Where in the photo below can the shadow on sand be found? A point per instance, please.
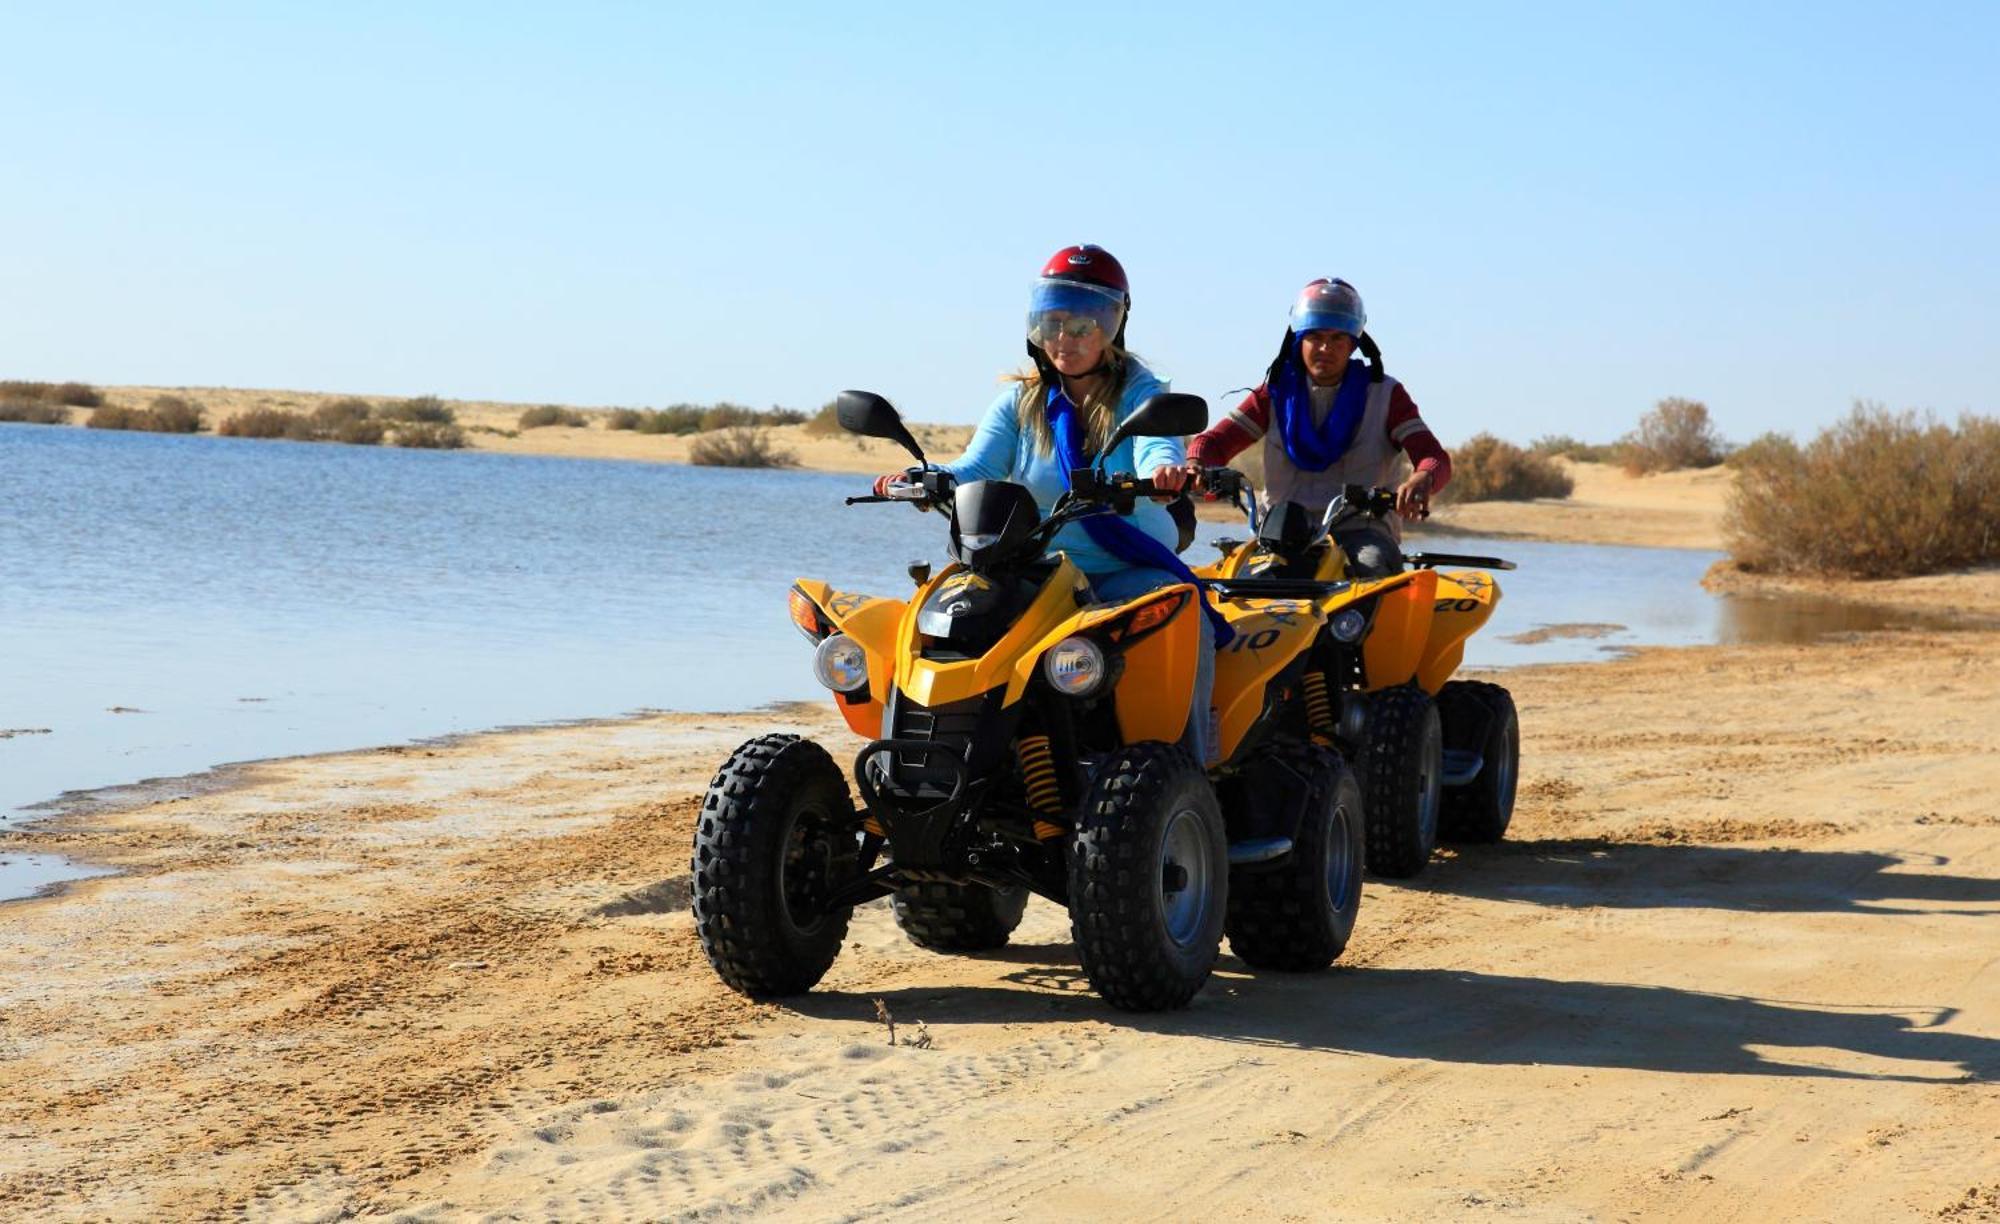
(1449, 1015)
(1591, 871)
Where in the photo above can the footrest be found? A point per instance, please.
(1461, 765)
(1258, 850)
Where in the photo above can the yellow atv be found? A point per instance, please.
(1024, 739)
(1439, 757)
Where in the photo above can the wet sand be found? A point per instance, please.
(1738, 960)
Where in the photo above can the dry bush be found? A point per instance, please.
(73, 394)
(623, 418)
(1488, 469)
(826, 422)
(742, 447)
(429, 435)
(673, 419)
(33, 412)
(336, 414)
(551, 414)
(1562, 446)
(173, 414)
(356, 433)
(1878, 494)
(166, 414)
(1764, 450)
(265, 423)
(1675, 434)
(115, 416)
(423, 409)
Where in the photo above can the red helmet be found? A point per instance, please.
(1091, 264)
(1079, 282)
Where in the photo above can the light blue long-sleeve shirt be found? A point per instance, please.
(1001, 450)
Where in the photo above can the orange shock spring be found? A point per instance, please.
(874, 827)
(1319, 706)
(1038, 770)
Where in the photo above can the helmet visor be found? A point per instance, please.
(1329, 306)
(1058, 307)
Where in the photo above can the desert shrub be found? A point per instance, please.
(335, 414)
(429, 435)
(550, 414)
(826, 422)
(33, 412)
(1878, 494)
(423, 409)
(166, 414)
(173, 414)
(743, 446)
(362, 432)
(728, 416)
(623, 418)
(1675, 434)
(1562, 446)
(73, 394)
(115, 416)
(264, 423)
(78, 395)
(1763, 451)
(14, 389)
(1485, 468)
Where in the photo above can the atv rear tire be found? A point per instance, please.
(1405, 775)
(776, 834)
(959, 917)
(1297, 914)
(1480, 717)
(1149, 878)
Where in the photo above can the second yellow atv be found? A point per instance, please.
(1439, 757)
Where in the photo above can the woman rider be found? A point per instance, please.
(1056, 415)
(1339, 422)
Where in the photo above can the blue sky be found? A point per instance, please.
(1557, 213)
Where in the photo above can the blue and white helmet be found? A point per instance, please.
(1329, 304)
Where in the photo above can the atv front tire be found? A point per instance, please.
(1148, 878)
(1480, 717)
(776, 835)
(1405, 775)
(1297, 915)
(959, 917)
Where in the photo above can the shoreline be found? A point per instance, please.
(458, 979)
(1670, 510)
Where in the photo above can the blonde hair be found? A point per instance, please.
(1099, 409)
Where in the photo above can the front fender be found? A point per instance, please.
(870, 620)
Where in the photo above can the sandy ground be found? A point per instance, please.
(1670, 510)
(1740, 960)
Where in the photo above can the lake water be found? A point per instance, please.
(171, 603)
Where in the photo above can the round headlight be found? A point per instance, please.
(1348, 624)
(1074, 666)
(840, 664)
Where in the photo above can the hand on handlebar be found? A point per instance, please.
(1413, 496)
(1170, 479)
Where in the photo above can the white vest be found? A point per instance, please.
(1370, 459)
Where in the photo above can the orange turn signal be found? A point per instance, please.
(805, 614)
(1154, 614)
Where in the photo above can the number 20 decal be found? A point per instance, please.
(1456, 605)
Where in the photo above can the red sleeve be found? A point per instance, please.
(1227, 438)
(1407, 430)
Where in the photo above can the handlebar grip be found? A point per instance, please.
(855, 501)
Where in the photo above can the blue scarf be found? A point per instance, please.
(1310, 448)
(1114, 533)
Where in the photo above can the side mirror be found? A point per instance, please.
(871, 416)
(1170, 414)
